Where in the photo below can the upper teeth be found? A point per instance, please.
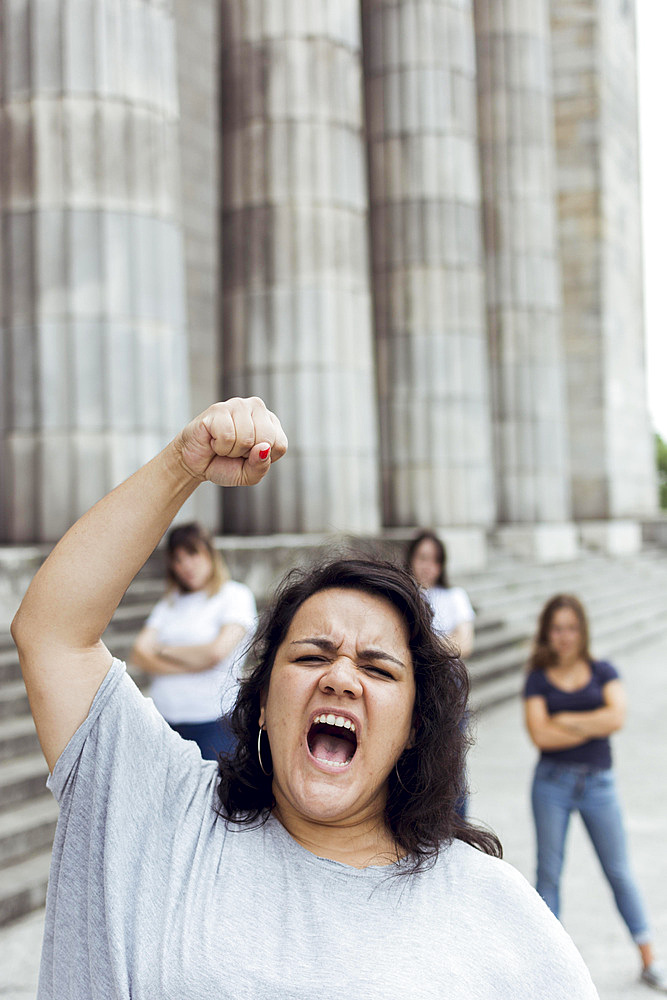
(336, 720)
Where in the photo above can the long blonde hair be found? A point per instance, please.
(194, 538)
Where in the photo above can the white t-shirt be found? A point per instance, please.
(451, 607)
(191, 620)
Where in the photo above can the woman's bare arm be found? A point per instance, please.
(70, 601)
(155, 658)
(543, 731)
(464, 637)
(601, 721)
(570, 729)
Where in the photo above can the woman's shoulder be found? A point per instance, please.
(455, 597)
(237, 595)
(604, 671)
(535, 683)
(235, 587)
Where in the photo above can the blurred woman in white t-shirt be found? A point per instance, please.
(453, 615)
(193, 641)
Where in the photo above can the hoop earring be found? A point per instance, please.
(398, 779)
(259, 753)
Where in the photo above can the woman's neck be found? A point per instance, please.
(358, 842)
(570, 663)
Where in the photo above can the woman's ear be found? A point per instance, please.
(262, 717)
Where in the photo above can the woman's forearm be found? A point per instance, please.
(464, 637)
(551, 736)
(598, 724)
(156, 663)
(77, 590)
(58, 628)
(206, 655)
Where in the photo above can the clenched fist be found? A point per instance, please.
(232, 443)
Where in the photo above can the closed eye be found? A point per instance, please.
(378, 670)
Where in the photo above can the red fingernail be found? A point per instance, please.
(264, 453)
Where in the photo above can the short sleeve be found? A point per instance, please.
(156, 618)
(535, 684)
(605, 672)
(124, 738)
(236, 606)
(135, 800)
(462, 607)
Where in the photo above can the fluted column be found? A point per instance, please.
(524, 305)
(296, 311)
(197, 57)
(94, 368)
(595, 79)
(428, 262)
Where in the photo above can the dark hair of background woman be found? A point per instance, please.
(423, 536)
(420, 810)
(542, 655)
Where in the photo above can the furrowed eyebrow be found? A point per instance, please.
(330, 647)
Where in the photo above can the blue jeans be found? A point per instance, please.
(560, 789)
(212, 738)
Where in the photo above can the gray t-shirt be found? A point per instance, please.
(152, 896)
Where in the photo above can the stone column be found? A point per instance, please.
(524, 306)
(428, 263)
(594, 58)
(94, 367)
(297, 315)
(197, 55)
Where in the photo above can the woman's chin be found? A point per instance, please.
(324, 797)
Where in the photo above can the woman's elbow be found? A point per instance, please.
(21, 632)
(617, 722)
(536, 738)
(210, 660)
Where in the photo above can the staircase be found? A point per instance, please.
(626, 599)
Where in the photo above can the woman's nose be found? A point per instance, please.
(341, 677)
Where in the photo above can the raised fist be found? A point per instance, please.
(232, 443)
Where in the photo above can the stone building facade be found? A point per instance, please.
(411, 225)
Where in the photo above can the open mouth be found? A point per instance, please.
(332, 739)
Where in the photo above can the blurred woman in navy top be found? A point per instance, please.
(573, 704)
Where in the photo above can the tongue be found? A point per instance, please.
(330, 748)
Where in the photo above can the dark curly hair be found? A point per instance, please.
(543, 655)
(421, 807)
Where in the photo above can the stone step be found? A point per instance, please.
(10, 669)
(18, 737)
(27, 828)
(21, 779)
(494, 640)
(6, 641)
(23, 886)
(624, 599)
(515, 601)
(13, 699)
(131, 616)
(502, 688)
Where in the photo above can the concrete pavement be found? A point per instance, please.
(500, 771)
